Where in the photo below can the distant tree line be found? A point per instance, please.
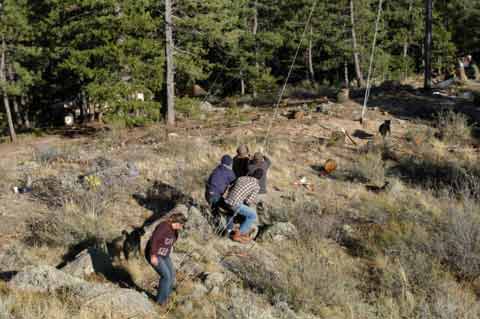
(103, 53)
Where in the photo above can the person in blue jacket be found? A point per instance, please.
(219, 181)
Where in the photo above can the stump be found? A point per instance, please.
(343, 95)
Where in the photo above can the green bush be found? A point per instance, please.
(188, 107)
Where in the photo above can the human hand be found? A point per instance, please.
(154, 260)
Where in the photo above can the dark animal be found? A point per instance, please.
(115, 247)
(131, 245)
(385, 128)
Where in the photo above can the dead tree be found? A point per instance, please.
(428, 44)
(356, 55)
(170, 64)
(3, 79)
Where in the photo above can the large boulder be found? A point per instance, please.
(98, 299)
(88, 262)
(280, 231)
(43, 279)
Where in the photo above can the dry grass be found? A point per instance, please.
(25, 305)
(67, 227)
(370, 167)
(454, 128)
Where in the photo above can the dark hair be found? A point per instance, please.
(258, 173)
(177, 218)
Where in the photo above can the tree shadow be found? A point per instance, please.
(161, 198)
(103, 264)
(362, 135)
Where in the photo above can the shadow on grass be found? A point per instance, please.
(436, 175)
(160, 199)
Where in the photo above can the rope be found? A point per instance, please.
(372, 56)
(267, 135)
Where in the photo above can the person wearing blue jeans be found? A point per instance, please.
(162, 240)
(250, 217)
(240, 198)
(166, 271)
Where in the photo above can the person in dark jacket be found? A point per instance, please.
(241, 160)
(161, 243)
(219, 181)
(262, 162)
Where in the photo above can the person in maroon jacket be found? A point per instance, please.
(162, 240)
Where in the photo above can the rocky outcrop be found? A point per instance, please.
(280, 231)
(98, 299)
(88, 262)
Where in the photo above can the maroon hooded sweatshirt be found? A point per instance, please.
(162, 240)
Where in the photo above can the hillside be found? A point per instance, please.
(335, 248)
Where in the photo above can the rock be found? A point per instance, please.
(88, 262)
(198, 91)
(270, 215)
(280, 231)
(257, 268)
(98, 299)
(343, 95)
(119, 302)
(197, 223)
(198, 291)
(214, 280)
(43, 279)
(206, 107)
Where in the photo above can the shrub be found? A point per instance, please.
(188, 107)
(458, 238)
(453, 127)
(65, 228)
(370, 167)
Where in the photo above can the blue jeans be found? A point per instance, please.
(167, 277)
(213, 199)
(250, 216)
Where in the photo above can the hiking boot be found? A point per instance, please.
(238, 237)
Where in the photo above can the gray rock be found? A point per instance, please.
(215, 279)
(280, 231)
(121, 302)
(87, 262)
(206, 107)
(43, 279)
(198, 291)
(197, 223)
(98, 299)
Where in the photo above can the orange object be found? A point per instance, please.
(329, 166)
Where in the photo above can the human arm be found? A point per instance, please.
(268, 162)
(252, 197)
(154, 260)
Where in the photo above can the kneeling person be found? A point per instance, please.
(162, 240)
(219, 181)
(240, 198)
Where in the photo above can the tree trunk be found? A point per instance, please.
(406, 43)
(242, 84)
(16, 111)
(356, 55)
(170, 64)
(3, 78)
(428, 44)
(26, 118)
(254, 32)
(311, 72)
(347, 80)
